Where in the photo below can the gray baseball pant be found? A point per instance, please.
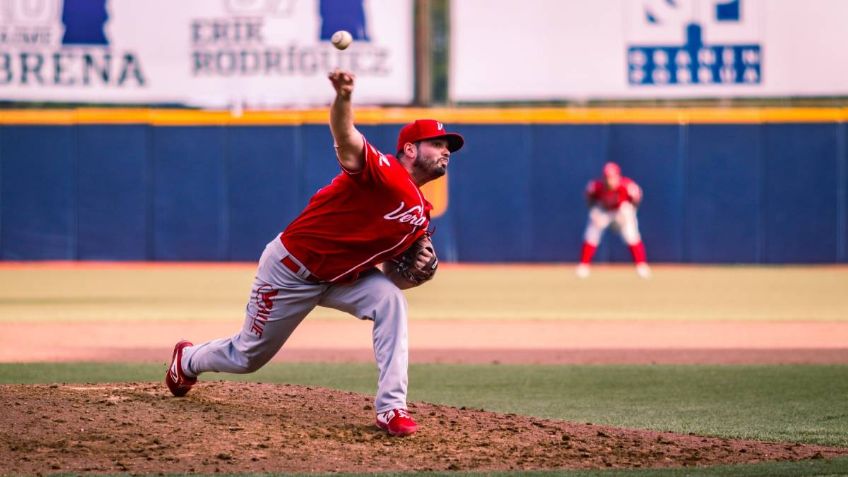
(280, 299)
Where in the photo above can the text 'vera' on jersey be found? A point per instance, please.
(611, 199)
(359, 220)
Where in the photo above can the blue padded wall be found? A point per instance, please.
(264, 186)
(749, 193)
(842, 192)
(801, 183)
(317, 161)
(490, 193)
(190, 212)
(723, 190)
(114, 209)
(38, 192)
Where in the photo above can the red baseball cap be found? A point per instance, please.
(428, 129)
(612, 169)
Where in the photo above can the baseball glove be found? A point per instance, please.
(418, 263)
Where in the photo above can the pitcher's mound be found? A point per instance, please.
(239, 427)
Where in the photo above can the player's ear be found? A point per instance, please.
(410, 149)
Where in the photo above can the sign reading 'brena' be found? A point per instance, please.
(62, 43)
(235, 54)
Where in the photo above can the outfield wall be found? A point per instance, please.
(752, 186)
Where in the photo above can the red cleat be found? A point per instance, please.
(177, 382)
(397, 422)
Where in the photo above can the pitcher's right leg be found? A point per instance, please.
(374, 297)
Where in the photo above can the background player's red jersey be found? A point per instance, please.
(359, 220)
(611, 199)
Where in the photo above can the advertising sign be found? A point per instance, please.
(630, 49)
(214, 53)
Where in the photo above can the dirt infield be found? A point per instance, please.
(238, 427)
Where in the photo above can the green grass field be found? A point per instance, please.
(798, 403)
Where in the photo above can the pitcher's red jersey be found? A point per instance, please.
(359, 220)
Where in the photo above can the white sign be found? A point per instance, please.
(214, 53)
(627, 49)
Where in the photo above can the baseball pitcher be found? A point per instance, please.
(613, 200)
(371, 215)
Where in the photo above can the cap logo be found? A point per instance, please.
(440, 126)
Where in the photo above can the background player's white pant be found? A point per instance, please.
(280, 300)
(622, 220)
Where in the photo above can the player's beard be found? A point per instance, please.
(430, 168)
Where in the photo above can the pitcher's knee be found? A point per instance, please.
(385, 299)
(390, 293)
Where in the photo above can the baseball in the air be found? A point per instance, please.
(341, 39)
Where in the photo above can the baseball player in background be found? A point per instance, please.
(372, 214)
(613, 200)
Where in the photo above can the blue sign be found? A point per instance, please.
(84, 21)
(694, 62)
(343, 15)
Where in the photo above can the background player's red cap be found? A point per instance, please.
(612, 169)
(428, 129)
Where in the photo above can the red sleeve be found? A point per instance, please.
(374, 167)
